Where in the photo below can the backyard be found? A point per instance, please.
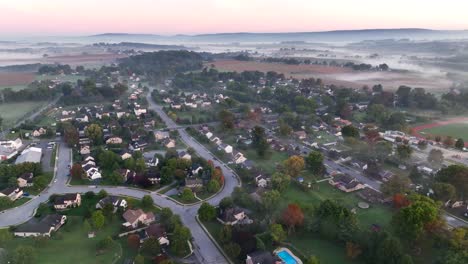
(72, 237)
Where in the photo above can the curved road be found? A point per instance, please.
(204, 249)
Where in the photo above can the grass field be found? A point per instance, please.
(376, 214)
(12, 112)
(71, 243)
(457, 130)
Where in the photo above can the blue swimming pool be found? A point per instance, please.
(286, 257)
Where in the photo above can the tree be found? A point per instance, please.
(382, 150)
(226, 234)
(448, 141)
(294, 165)
(180, 237)
(212, 186)
(71, 135)
(436, 157)
(270, 199)
(24, 255)
(77, 171)
(133, 241)
(102, 193)
(94, 132)
(411, 221)
(457, 175)
(350, 131)
(396, 184)
(187, 195)
(147, 202)
(139, 259)
(292, 216)
(460, 144)
(444, 191)
(259, 141)
(227, 119)
(404, 151)
(108, 211)
(98, 219)
(280, 181)
(151, 247)
(232, 249)
(390, 251)
(207, 212)
(40, 182)
(277, 233)
(105, 243)
(226, 203)
(353, 250)
(314, 163)
(114, 178)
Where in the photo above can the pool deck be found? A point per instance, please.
(298, 260)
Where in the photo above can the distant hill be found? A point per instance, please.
(322, 36)
(136, 45)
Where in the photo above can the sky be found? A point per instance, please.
(168, 17)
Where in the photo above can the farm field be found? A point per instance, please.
(16, 80)
(339, 75)
(12, 112)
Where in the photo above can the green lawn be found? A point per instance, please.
(71, 243)
(12, 112)
(62, 78)
(376, 214)
(327, 252)
(459, 130)
(269, 162)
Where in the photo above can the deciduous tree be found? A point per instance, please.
(294, 165)
(293, 216)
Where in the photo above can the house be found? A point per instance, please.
(25, 180)
(195, 169)
(31, 154)
(92, 172)
(135, 217)
(300, 134)
(226, 148)
(184, 155)
(238, 158)
(346, 183)
(85, 150)
(160, 135)
(44, 227)
(127, 174)
(234, 216)
(125, 155)
(151, 162)
(14, 193)
(208, 135)
(262, 181)
(39, 132)
(159, 232)
(153, 177)
(262, 257)
(193, 182)
(169, 143)
(116, 201)
(65, 201)
(114, 140)
(216, 140)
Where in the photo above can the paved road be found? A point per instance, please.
(204, 249)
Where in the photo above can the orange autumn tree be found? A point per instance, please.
(400, 200)
(293, 216)
(218, 176)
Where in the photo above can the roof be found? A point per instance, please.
(156, 230)
(28, 176)
(41, 226)
(261, 257)
(109, 200)
(132, 215)
(228, 215)
(66, 197)
(30, 155)
(9, 190)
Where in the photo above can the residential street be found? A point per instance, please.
(209, 254)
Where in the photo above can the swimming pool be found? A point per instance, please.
(286, 257)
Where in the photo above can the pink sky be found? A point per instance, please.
(65, 17)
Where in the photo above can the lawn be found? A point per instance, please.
(63, 245)
(457, 130)
(376, 214)
(12, 112)
(325, 251)
(268, 163)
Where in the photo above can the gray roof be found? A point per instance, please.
(30, 155)
(41, 226)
